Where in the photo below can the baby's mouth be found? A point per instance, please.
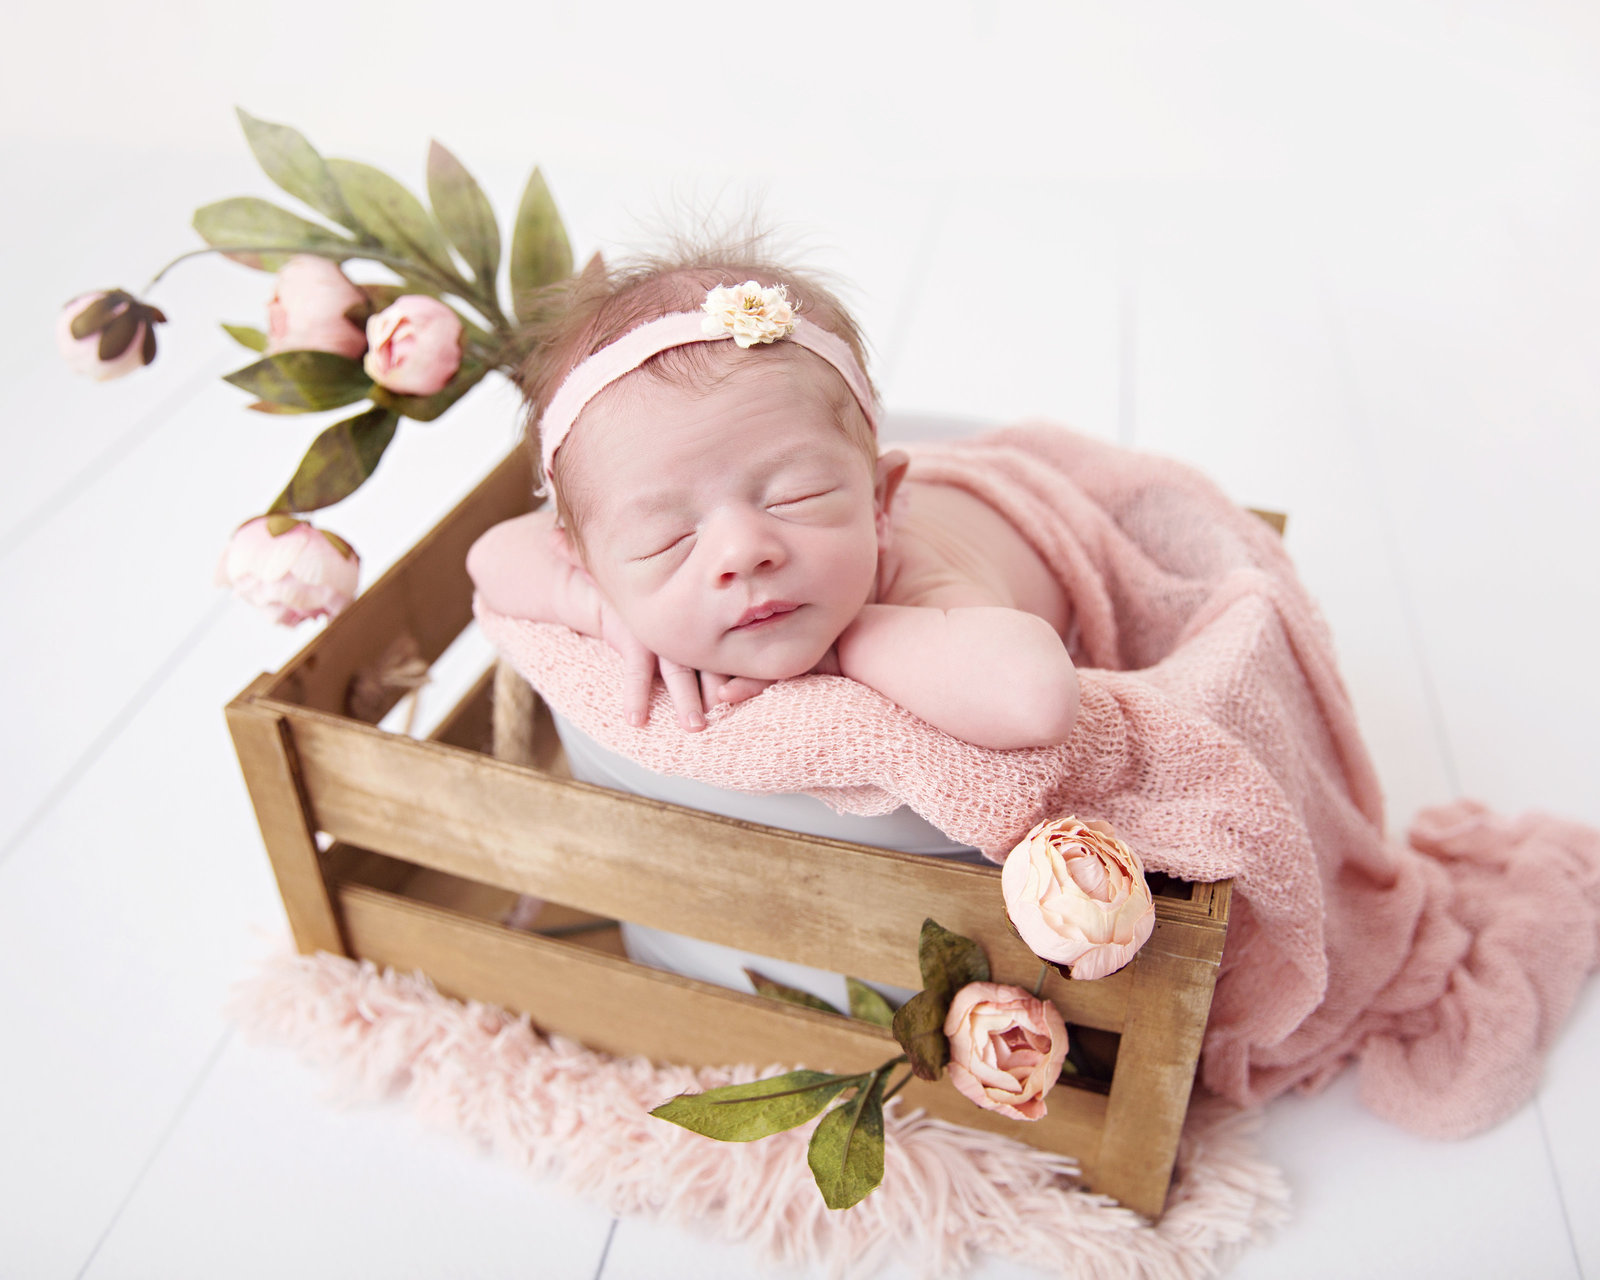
(767, 613)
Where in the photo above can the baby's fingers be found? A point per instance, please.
(739, 688)
(638, 676)
(683, 687)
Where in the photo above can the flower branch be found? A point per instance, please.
(331, 341)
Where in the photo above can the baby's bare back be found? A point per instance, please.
(950, 548)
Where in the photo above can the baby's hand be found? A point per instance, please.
(727, 690)
(639, 666)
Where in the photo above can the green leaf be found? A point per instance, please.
(245, 336)
(867, 1005)
(338, 461)
(745, 1112)
(465, 214)
(949, 961)
(304, 380)
(918, 1025)
(427, 408)
(294, 164)
(248, 222)
(389, 212)
(846, 1151)
(540, 253)
(765, 986)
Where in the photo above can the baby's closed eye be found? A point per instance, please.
(785, 502)
(664, 544)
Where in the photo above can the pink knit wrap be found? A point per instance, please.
(1217, 737)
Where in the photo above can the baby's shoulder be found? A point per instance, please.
(952, 549)
(937, 554)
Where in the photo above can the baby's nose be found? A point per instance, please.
(743, 542)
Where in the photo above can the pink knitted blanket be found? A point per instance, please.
(1217, 737)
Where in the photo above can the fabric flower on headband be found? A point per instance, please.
(749, 313)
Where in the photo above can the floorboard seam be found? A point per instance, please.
(114, 728)
(1344, 362)
(605, 1251)
(38, 517)
(171, 1128)
(919, 271)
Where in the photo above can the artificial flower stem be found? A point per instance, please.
(1038, 987)
(402, 265)
(899, 1084)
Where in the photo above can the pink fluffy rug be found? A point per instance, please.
(949, 1194)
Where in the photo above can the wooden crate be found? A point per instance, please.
(408, 853)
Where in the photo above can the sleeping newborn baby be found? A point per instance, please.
(723, 515)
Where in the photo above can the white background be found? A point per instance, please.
(1341, 256)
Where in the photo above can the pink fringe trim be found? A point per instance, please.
(580, 1118)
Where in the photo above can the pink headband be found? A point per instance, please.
(680, 329)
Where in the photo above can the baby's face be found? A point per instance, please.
(734, 530)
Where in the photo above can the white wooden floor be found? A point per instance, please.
(1409, 364)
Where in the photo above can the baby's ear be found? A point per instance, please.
(891, 471)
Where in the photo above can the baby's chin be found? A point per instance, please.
(772, 662)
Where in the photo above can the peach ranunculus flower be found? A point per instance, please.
(1006, 1048)
(414, 345)
(748, 312)
(309, 309)
(299, 572)
(1078, 896)
(107, 334)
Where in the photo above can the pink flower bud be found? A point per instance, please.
(299, 572)
(107, 334)
(1078, 896)
(1006, 1048)
(414, 346)
(309, 306)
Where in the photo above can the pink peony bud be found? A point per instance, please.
(1078, 896)
(415, 346)
(107, 334)
(309, 306)
(295, 573)
(1006, 1048)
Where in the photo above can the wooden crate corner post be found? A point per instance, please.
(272, 776)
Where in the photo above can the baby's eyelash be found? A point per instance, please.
(804, 497)
(661, 551)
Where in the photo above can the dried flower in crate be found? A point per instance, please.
(409, 347)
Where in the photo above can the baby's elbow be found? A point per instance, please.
(1052, 713)
(1042, 711)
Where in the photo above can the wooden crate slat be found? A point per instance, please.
(618, 1007)
(426, 594)
(772, 892)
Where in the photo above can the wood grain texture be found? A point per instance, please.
(819, 902)
(618, 1007)
(271, 773)
(426, 594)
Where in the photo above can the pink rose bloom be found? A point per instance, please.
(1078, 896)
(307, 311)
(301, 572)
(414, 346)
(1006, 1048)
(123, 338)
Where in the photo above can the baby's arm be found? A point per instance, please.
(524, 568)
(991, 676)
